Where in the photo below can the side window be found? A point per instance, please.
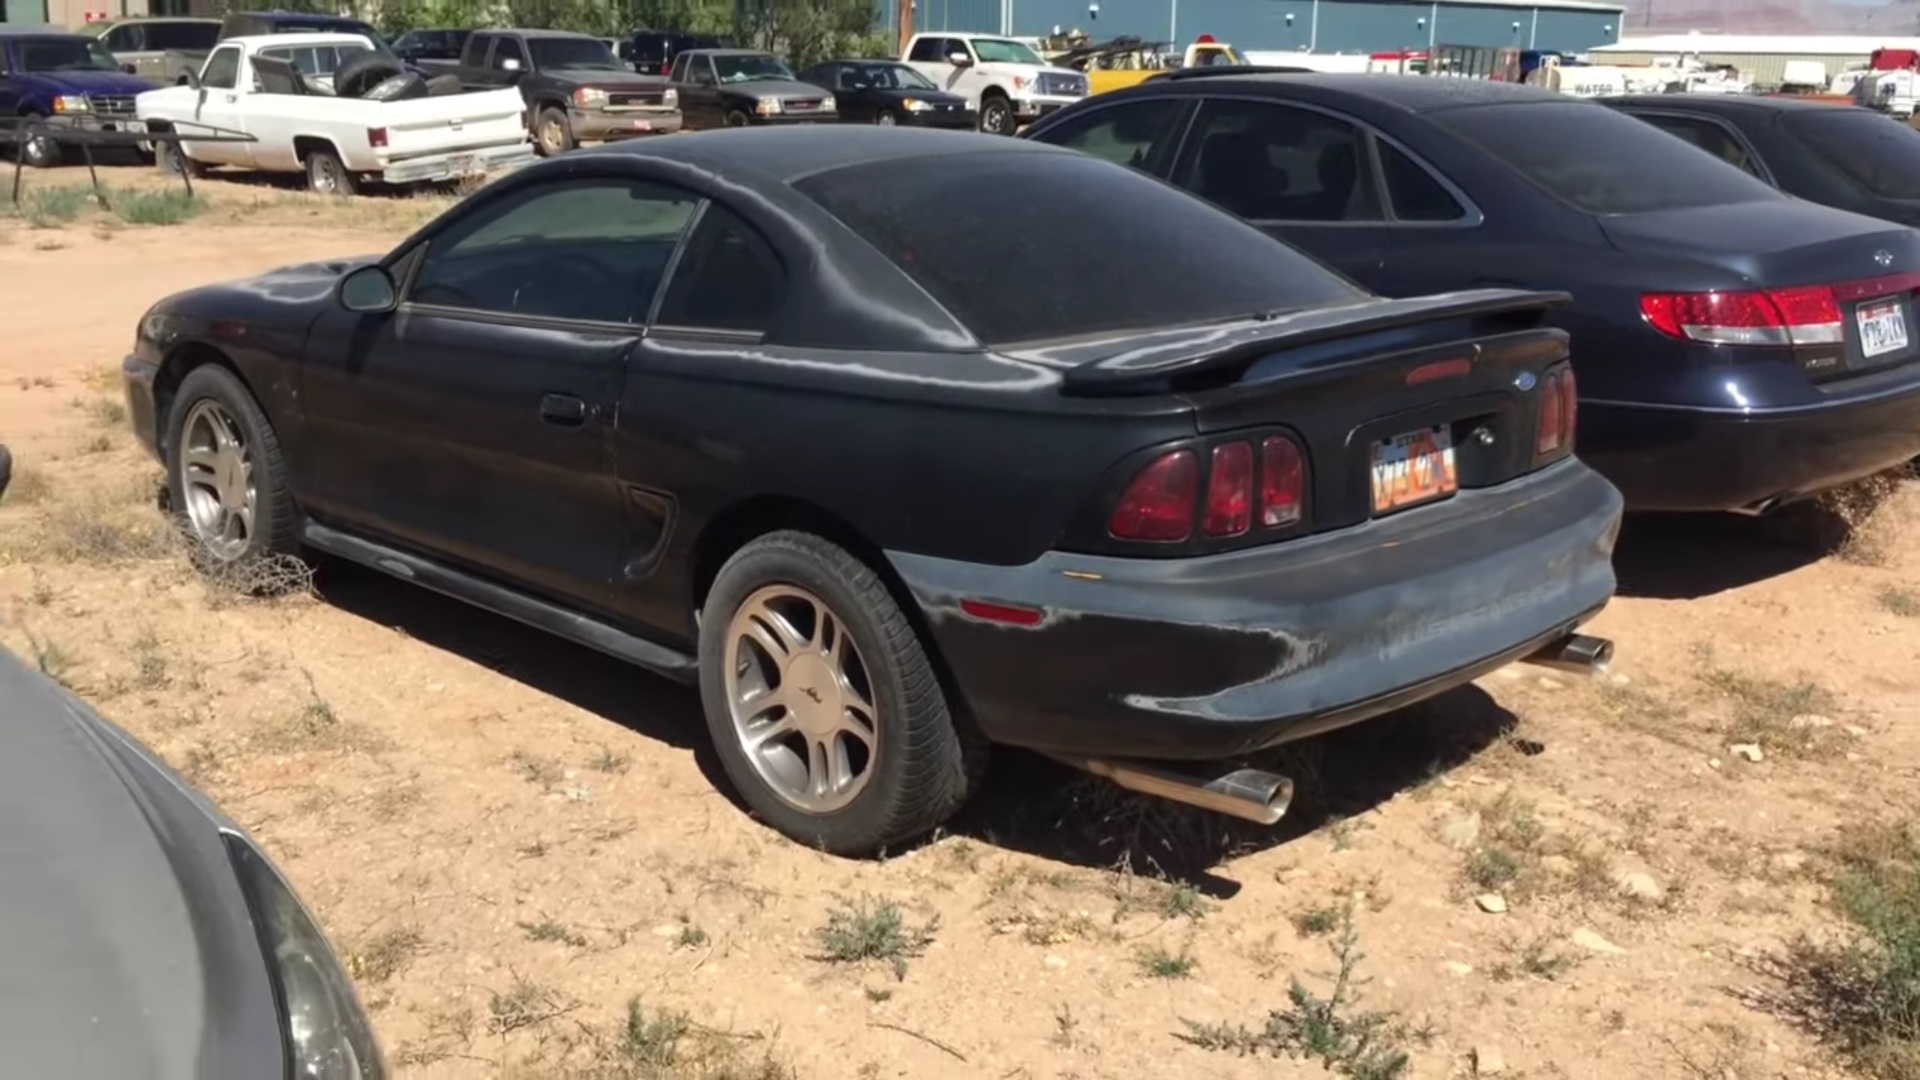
(679, 72)
(1269, 162)
(222, 70)
(728, 278)
(188, 36)
(927, 50)
(1139, 133)
(1412, 191)
(1708, 136)
(591, 250)
(508, 49)
(700, 67)
(125, 39)
(475, 54)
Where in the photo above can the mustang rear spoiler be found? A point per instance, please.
(1161, 355)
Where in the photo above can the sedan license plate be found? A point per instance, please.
(1883, 328)
(1413, 468)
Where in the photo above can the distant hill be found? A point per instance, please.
(1773, 16)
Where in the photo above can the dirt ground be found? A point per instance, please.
(512, 839)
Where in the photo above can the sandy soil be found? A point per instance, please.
(511, 838)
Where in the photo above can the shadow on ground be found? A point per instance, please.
(1687, 556)
(1034, 805)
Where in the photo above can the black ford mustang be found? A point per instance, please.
(810, 418)
(1737, 349)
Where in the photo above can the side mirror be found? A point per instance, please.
(369, 291)
(510, 65)
(959, 59)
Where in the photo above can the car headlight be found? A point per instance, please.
(827, 104)
(767, 106)
(71, 103)
(671, 98)
(915, 105)
(326, 1030)
(588, 97)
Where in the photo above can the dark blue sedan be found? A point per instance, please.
(1736, 348)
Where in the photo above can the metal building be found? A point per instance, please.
(1326, 26)
(1761, 57)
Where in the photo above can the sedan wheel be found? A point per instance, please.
(216, 480)
(822, 702)
(885, 118)
(801, 699)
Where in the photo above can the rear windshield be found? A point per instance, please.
(1602, 161)
(1023, 247)
(1882, 155)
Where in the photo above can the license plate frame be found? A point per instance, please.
(1883, 328)
(461, 166)
(1412, 469)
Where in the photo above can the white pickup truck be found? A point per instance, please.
(278, 89)
(1003, 79)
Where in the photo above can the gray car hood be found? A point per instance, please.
(775, 88)
(129, 950)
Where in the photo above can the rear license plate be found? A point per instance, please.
(643, 125)
(1883, 328)
(460, 165)
(1413, 468)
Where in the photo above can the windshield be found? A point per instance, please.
(317, 59)
(1002, 51)
(572, 54)
(748, 67)
(1880, 155)
(946, 221)
(64, 54)
(1602, 161)
(889, 77)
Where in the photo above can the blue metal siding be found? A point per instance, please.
(1344, 25)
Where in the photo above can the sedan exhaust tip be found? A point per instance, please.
(1248, 794)
(1581, 654)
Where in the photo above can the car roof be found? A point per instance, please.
(1726, 103)
(38, 32)
(730, 52)
(303, 37)
(788, 154)
(1413, 93)
(537, 33)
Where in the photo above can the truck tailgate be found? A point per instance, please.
(439, 125)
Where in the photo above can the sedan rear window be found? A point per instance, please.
(1021, 246)
(1602, 161)
(1882, 155)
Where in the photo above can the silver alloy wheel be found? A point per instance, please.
(216, 480)
(552, 139)
(885, 119)
(326, 176)
(995, 118)
(801, 699)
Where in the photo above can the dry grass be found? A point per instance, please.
(1773, 714)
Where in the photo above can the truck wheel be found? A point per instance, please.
(552, 134)
(173, 160)
(402, 87)
(996, 115)
(325, 174)
(823, 705)
(364, 72)
(738, 118)
(39, 151)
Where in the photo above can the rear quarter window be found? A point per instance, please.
(1024, 246)
(1600, 160)
(1880, 154)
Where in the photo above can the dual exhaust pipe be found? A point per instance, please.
(1263, 797)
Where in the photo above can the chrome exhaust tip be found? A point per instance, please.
(1581, 654)
(1248, 794)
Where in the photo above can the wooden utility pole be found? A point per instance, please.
(906, 26)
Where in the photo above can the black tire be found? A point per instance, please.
(886, 118)
(172, 160)
(552, 132)
(39, 151)
(738, 118)
(928, 761)
(442, 85)
(276, 528)
(996, 115)
(402, 87)
(364, 72)
(327, 176)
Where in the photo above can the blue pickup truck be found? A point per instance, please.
(68, 81)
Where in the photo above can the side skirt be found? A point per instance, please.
(575, 627)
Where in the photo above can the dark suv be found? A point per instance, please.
(741, 88)
(575, 88)
(652, 51)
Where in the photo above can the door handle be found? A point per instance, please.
(231, 98)
(563, 410)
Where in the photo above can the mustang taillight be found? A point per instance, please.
(1559, 410)
(1799, 316)
(1246, 484)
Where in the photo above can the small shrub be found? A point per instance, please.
(548, 930)
(1901, 601)
(1158, 963)
(1317, 921)
(869, 929)
(386, 954)
(51, 208)
(168, 207)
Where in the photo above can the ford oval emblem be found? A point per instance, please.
(1884, 258)
(1524, 381)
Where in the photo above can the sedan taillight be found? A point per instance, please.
(1559, 409)
(1242, 489)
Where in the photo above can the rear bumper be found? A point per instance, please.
(1221, 655)
(454, 166)
(1689, 459)
(609, 126)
